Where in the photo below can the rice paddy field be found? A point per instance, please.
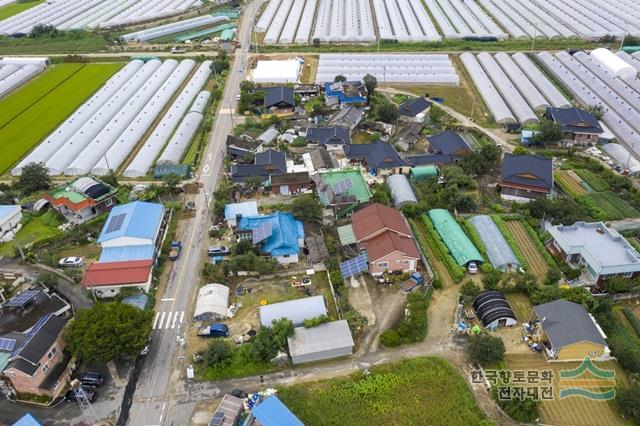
(36, 109)
(15, 8)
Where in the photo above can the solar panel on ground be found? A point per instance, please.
(115, 224)
(217, 419)
(7, 344)
(22, 298)
(261, 232)
(354, 266)
(342, 186)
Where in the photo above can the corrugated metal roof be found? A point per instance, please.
(127, 253)
(346, 235)
(325, 337)
(117, 273)
(247, 208)
(138, 220)
(296, 310)
(272, 412)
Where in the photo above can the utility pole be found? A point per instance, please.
(535, 34)
(622, 42)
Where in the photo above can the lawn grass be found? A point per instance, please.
(425, 390)
(34, 228)
(30, 127)
(521, 305)
(15, 8)
(71, 42)
(31, 92)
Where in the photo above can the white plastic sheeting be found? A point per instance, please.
(613, 63)
(17, 78)
(71, 125)
(69, 14)
(267, 16)
(510, 94)
(285, 71)
(344, 20)
(173, 28)
(500, 254)
(622, 156)
(526, 88)
(181, 139)
(201, 102)
(574, 78)
(143, 160)
(401, 190)
(389, 68)
(126, 142)
(548, 89)
(6, 2)
(306, 22)
(628, 59)
(62, 156)
(403, 20)
(488, 91)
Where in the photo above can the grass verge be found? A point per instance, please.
(15, 8)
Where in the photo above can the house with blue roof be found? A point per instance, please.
(347, 93)
(279, 235)
(272, 412)
(133, 224)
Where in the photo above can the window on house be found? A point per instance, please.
(108, 202)
(52, 352)
(45, 368)
(383, 264)
(628, 274)
(398, 262)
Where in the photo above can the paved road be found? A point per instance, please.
(165, 366)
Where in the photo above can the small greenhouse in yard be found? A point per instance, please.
(401, 190)
(460, 246)
(500, 254)
(422, 172)
(212, 303)
(493, 309)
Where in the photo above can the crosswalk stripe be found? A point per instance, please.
(181, 316)
(168, 323)
(161, 320)
(155, 320)
(175, 318)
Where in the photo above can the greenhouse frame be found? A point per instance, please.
(401, 190)
(493, 309)
(497, 249)
(459, 245)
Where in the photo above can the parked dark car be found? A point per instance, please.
(74, 395)
(92, 379)
(239, 393)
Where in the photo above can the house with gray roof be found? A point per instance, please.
(600, 251)
(379, 158)
(567, 332)
(578, 126)
(326, 341)
(279, 99)
(525, 177)
(334, 137)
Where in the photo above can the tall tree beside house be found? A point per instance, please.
(107, 331)
(340, 78)
(34, 178)
(486, 349)
(597, 111)
(387, 112)
(550, 132)
(370, 82)
(306, 208)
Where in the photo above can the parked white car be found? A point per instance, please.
(472, 268)
(71, 262)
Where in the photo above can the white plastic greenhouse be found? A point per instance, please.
(401, 190)
(489, 93)
(532, 95)
(145, 157)
(613, 63)
(181, 139)
(173, 28)
(18, 77)
(548, 89)
(622, 156)
(55, 141)
(629, 60)
(500, 254)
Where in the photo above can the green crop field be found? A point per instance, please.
(15, 8)
(411, 392)
(31, 92)
(43, 116)
(607, 206)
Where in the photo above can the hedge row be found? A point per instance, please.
(441, 251)
(539, 245)
(502, 226)
(477, 241)
(633, 320)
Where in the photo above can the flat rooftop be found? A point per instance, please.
(359, 187)
(605, 245)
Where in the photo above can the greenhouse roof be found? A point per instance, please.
(424, 171)
(500, 254)
(346, 235)
(359, 187)
(401, 190)
(460, 246)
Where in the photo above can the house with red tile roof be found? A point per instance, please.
(386, 237)
(106, 279)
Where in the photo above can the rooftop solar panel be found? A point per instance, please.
(116, 222)
(38, 325)
(22, 298)
(353, 266)
(342, 186)
(262, 232)
(7, 344)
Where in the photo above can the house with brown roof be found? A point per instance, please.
(82, 199)
(106, 279)
(386, 237)
(291, 183)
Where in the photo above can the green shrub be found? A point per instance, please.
(413, 326)
(315, 321)
(633, 320)
(390, 338)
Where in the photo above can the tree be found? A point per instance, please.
(107, 331)
(435, 114)
(171, 181)
(597, 111)
(628, 401)
(111, 179)
(243, 247)
(370, 82)
(34, 178)
(550, 132)
(253, 183)
(553, 276)
(307, 208)
(482, 161)
(470, 289)
(387, 112)
(268, 341)
(523, 410)
(247, 86)
(380, 195)
(48, 279)
(486, 349)
(221, 62)
(43, 30)
(218, 353)
(340, 78)
(491, 279)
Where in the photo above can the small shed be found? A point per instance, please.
(493, 309)
(401, 190)
(296, 310)
(212, 303)
(268, 136)
(326, 341)
(228, 411)
(318, 251)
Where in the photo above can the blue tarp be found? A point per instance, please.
(137, 220)
(272, 412)
(285, 232)
(344, 99)
(128, 253)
